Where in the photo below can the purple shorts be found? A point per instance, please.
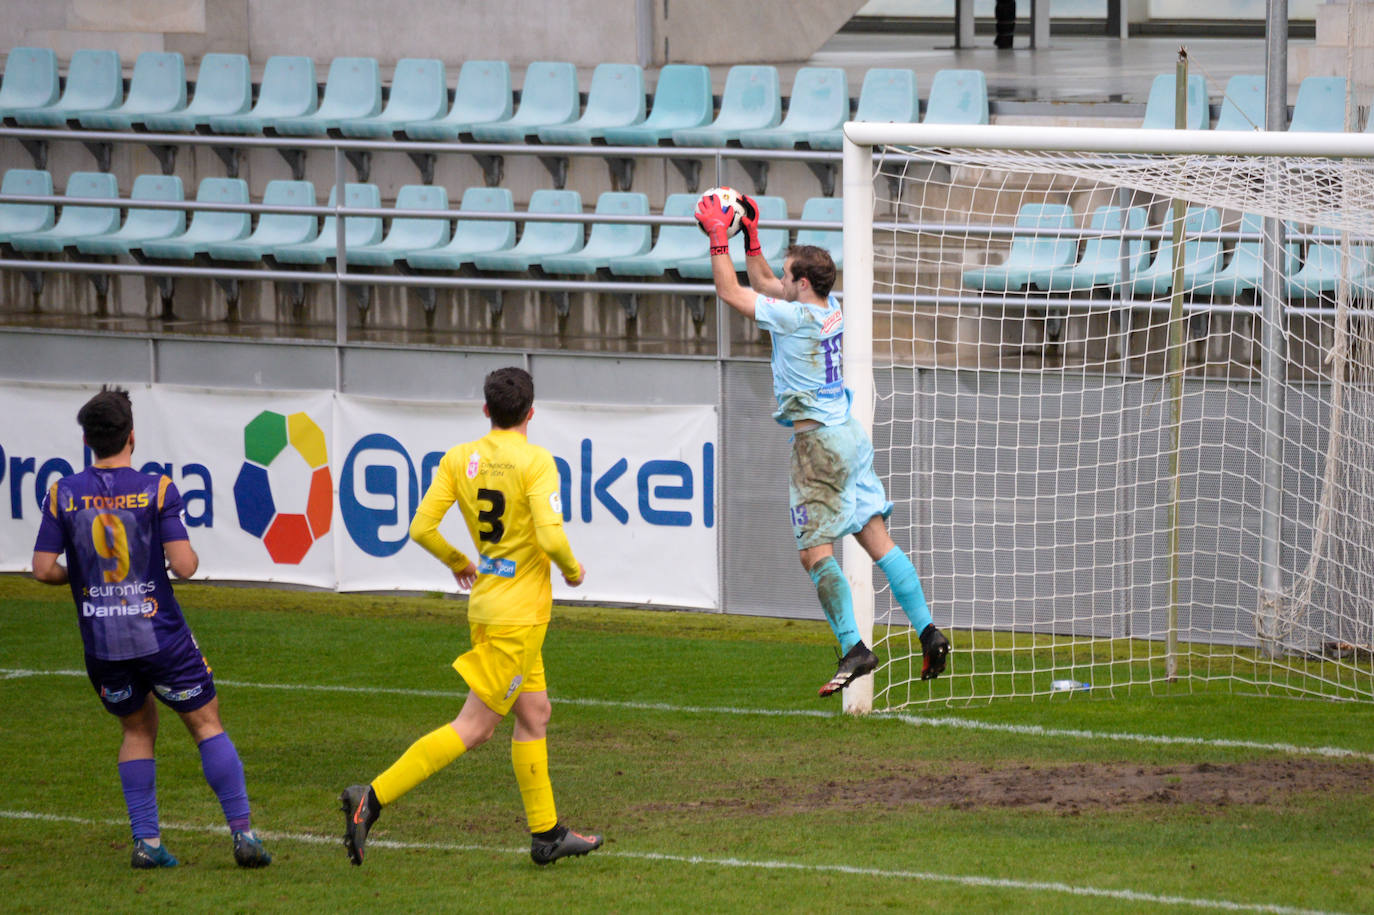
(178, 675)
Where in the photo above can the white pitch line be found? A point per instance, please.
(1025, 730)
(1002, 883)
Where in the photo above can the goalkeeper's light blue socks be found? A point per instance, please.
(906, 587)
(837, 601)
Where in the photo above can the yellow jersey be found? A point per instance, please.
(508, 492)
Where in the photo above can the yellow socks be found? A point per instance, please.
(530, 759)
(426, 756)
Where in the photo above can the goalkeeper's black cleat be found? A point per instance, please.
(934, 650)
(565, 843)
(360, 810)
(248, 850)
(858, 661)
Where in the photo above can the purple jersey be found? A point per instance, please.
(111, 522)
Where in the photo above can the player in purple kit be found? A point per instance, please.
(121, 531)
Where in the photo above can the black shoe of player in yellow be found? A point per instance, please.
(361, 809)
(856, 662)
(934, 650)
(560, 842)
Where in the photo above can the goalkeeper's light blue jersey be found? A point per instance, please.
(808, 359)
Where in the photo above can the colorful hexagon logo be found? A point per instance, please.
(290, 515)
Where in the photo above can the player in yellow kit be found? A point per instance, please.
(508, 493)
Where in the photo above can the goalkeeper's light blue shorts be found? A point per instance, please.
(832, 487)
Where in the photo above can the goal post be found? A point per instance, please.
(1082, 516)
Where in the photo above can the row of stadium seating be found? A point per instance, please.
(1319, 106)
(1052, 263)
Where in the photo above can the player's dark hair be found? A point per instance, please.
(107, 419)
(510, 394)
(813, 265)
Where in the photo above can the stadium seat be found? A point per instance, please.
(539, 239)
(352, 90)
(751, 101)
(358, 230)
(675, 243)
(957, 97)
(888, 95)
(1201, 256)
(288, 90)
(1029, 254)
(273, 229)
(615, 99)
(30, 80)
(483, 95)
(141, 225)
(472, 236)
(819, 102)
(824, 209)
(408, 234)
(772, 244)
(1323, 265)
(206, 227)
(75, 221)
(23, 218)
(607, 240)
(548, 96)
(1159, 107)
(158, 86)
(419, 92)
(224, 87)
(94, 83)
(1245, 270)
(1320, 105)
(1100, 264)
(682, 98)
(1243, 104)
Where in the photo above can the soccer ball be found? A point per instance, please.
(727, 198)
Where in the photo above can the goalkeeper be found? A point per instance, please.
(833, 489)
(508, 492)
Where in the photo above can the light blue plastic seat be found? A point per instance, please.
(675, 243)
(352, 90)
(1320, 105)
(30, 80)
(1323, 265)
(141, 225)
(224, 87)
(548, 96)
(1029, 254)
(539, 239)
(483, 95)
(419, 92)
(606, 241)
(1243, 105)
(819, 101)
(408, 234)
(772, 244)
(75, 221)
(824, 209)
(94, 82)
(1159, 107)
(288, 90)
(957, 97)
(472, 236)
(682, 98)
(615, 99)
(888, 96)
(23, 218)
(358, 230)
(157, 86)
(751, 101)
(1201, 256)
(273, 229)
(1100, 264)
(206, 227)
(1245, 269)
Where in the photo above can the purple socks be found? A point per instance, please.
(138, 777)
(224, 771)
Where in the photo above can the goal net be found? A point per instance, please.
(1123, 399)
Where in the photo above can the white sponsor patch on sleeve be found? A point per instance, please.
(556, 502)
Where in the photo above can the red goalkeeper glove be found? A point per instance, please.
(715, 222)
(749, 221)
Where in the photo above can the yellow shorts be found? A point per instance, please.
(504, 662)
